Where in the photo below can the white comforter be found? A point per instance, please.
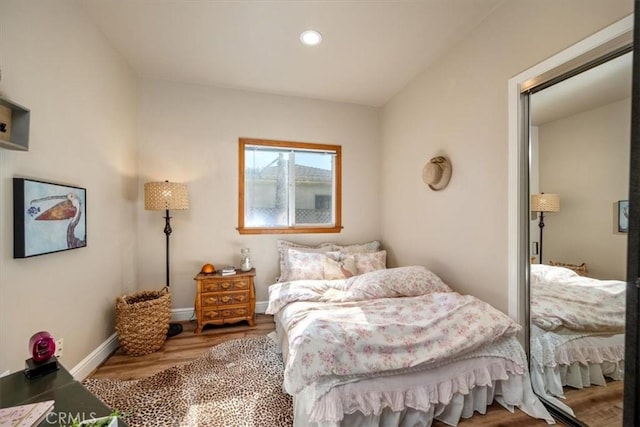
(562, 298)
(383, 322)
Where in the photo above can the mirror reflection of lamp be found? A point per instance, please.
(542, 203)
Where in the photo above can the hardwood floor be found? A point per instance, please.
(188, 346)
(597, 406)
(180, 349)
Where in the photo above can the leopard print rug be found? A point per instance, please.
(234, 384)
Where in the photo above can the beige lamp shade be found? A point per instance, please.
(160, 196)
(545, 202)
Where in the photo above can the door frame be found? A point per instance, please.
(631, 394)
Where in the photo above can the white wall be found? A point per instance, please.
(189, 134)
(585, 159)
(458, 107)
(82, 98)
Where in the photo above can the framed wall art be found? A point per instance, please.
(623, 216)
(47, 217)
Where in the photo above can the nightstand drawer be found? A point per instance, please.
(209, 300)
(222, 313)
(233, 298)
(224, 298)
(241, 285)
(213, 285)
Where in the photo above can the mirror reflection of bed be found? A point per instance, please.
(580, 151)
(577, 334)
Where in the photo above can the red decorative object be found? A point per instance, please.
(42, 346)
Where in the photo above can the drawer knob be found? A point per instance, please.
(225, 298)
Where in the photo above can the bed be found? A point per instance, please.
(577, 331)
(391, 346)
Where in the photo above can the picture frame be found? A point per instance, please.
(47, 217)
(623, 216)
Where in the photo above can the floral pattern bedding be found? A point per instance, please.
(379, 323)
(562, 298)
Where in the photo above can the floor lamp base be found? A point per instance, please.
(174, 329)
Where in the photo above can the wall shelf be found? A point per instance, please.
(14, 126)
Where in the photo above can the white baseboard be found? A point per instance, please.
(261, 306)
(95, 358)
(104, 350)
(180, 314)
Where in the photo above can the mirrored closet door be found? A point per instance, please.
(579, 150)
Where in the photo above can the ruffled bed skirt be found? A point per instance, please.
(417, 399)
(548, 382)
(579, 363)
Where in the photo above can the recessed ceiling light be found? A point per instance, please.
(311, 38)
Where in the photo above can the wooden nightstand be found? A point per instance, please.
(225, 299)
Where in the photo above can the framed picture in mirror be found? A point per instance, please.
(623, 216)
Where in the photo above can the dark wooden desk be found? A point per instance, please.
(72, 399)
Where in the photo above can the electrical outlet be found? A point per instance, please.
(59, 347)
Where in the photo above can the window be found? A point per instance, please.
(289, 187)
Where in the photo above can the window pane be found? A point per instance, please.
(289, 187)
(313, 188)
(266, 182)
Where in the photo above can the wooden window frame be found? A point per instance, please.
(333, 228)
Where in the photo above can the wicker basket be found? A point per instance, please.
(142, 321)
(581, 269)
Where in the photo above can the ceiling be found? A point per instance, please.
(602, 85)
(371, 48)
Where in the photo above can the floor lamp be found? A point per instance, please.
(544, 203)
(166, 196)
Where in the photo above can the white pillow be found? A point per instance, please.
(371, 261)
(542, 273)
(305, 265)
(372, 246)
(283, 247)
(342, 269)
